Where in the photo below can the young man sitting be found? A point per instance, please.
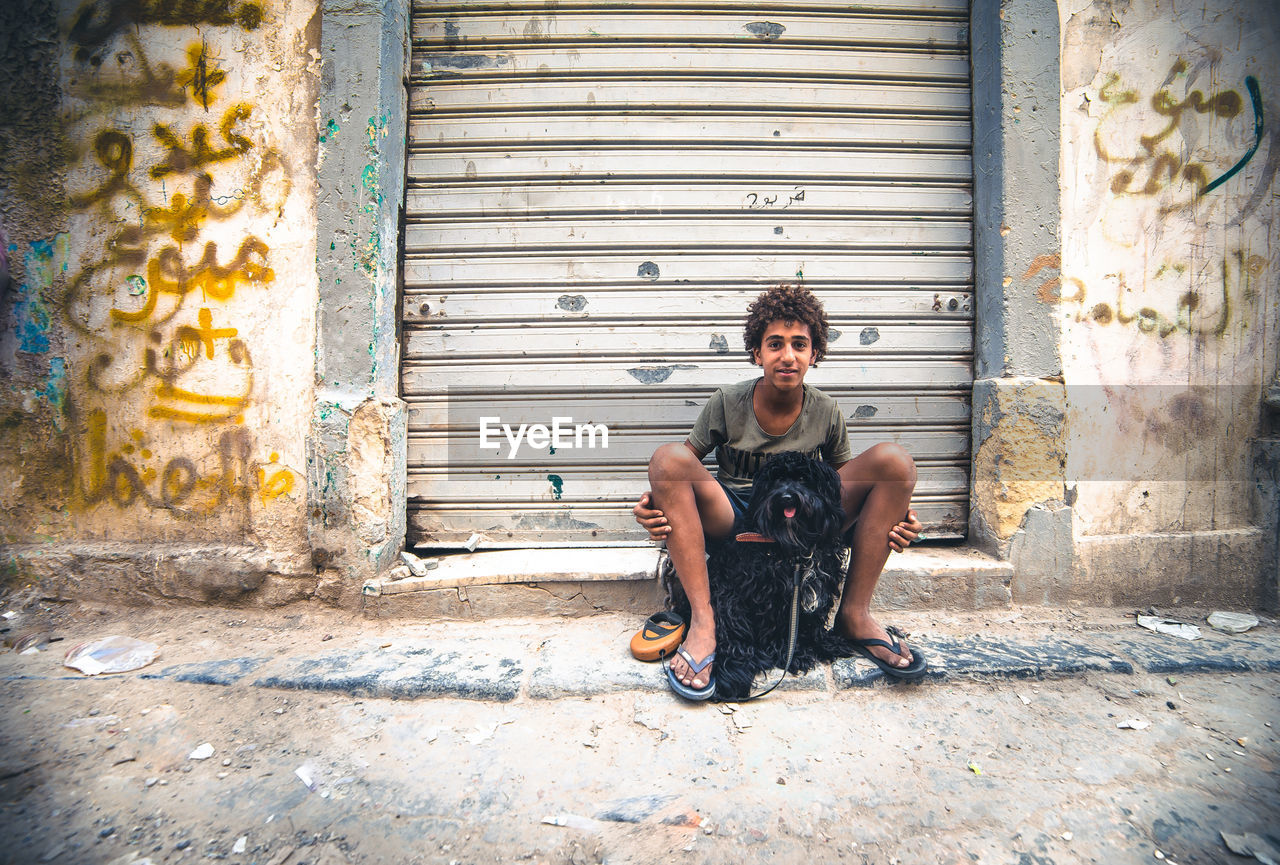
(785, 334)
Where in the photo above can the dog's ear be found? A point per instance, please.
(820, 477)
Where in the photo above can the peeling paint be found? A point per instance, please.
(557, 486)
(55, 390)
(572, 302)
(656, 374)
(766, 30)
(1021, 459)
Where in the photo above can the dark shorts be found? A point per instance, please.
(737, 501)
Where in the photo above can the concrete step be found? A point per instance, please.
(578, 582)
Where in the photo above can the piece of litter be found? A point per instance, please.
(1026, 701)
(306, 777)
(473, 541)
(241, 843)
(975, 768)
(1210, 756)
(482, 732)
(1242, 741)
(1169, 626)
(203, 751)
(1232, 623)
(1253, 845)
(10, 614)
(417, 565)
(32, 651)
(1134, 724)
(114, 654)
(1159, 855)
(1067, 836)
(573, 821)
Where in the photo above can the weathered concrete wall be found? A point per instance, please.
(160, 207)
(1167, 297)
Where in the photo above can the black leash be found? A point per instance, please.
(797, 579)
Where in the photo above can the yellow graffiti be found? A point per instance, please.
(198, 76)
(1155, 168)
(114, 151)
(279, 483)
(179, 369)
(182, 160)
(1238, 272)
(166, 274)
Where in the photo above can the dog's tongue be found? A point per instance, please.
(789, 512)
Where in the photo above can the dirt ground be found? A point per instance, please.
(99, 770)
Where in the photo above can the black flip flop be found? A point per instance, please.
(918, 667)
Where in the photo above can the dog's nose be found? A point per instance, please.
(787, 500)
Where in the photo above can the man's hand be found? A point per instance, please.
(901, 535)
(651, 519)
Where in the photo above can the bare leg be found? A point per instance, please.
(876, 489)
(695, 507)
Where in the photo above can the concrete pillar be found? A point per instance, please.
(1018, 396)
(356, 454)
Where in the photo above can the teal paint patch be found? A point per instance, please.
(32, 321)
(1255, 95)
(330, 131)
(137, 285)
(55, 390)
(557, 486)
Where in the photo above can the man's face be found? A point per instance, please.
(785, 353)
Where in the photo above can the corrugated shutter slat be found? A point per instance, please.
(597, 191)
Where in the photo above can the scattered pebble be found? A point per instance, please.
(1067, 836)
(202, 752)
(150, 782)
(183, 844)
(241, 843)
(107, 832)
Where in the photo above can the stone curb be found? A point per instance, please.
(501, 670)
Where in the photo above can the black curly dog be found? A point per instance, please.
(795, 503)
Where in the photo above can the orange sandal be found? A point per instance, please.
(658, 637)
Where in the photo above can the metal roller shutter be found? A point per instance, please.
(596, 192)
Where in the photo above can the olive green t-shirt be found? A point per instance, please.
(728, 424)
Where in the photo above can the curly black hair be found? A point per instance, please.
(786, 303)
